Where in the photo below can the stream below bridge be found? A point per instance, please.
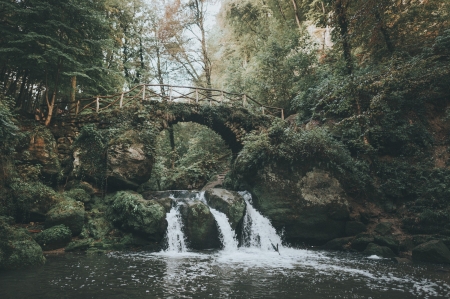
(251, 270)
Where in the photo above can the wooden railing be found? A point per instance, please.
(172, 94)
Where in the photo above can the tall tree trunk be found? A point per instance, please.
(296, 13)
(172, 144)
(73, 92)
(51, 105)
(342, 24)
(19, 100)
(159, 70)
(384, 31)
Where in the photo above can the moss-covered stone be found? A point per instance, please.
(200, 226)
(42, 150)
(310, 207)
(353, 228)
(17, 248)
(361, 241)
(382, 251)
(130, 212)
(228, 202)
(383, 228)
(388, 241)
(99, 227)
(338, 244)
(78, 194)
(68, 212)
(53, 238)
(431, 252)
(79, 245)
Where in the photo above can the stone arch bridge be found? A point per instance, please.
(129, 163)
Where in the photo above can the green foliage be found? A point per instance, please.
(301, 150)
(91, 145)
(8, 130)
(199, 154)
(78, 194)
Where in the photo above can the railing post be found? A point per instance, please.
(244, 101)
(262, 109)
(282, 114)
(98, 104)
(221, 97)
(143, 93)
(78, 108)
(196, 96)
(170, 93)
(121, 101)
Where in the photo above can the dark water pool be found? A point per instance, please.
(241, 274)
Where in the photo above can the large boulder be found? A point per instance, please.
(382, 251)
(69, 213)
(131, 212)
(42, 149)
(55, 237)
(17, 247)
(312, 207)
(200, 226)
(228, 202)
(431, 252)
(129, 161)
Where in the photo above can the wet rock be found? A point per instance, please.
(399, 260)
(382, 251)
(68, 212)
(228, 202)
(361, 241)
(383, 228)
(338, 244)
(199, 226)
(17, 247)
(99, 227)
(310, 207)
(78, 194)
(42, 150)
(166, 203)
(131, 212)
(79, 245)
(388, 241)
(53, 238)
(129, 162)
(352, 228)
(431, 252)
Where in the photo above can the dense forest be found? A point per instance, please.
(365, 86)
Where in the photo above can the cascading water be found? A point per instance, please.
(175, 237)
(258, 232)
(227, 235)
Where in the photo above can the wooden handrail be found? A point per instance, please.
(196, 94)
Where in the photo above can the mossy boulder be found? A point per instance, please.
(382, 251)
(383, 228)
(79, 245)
(55, 237)
(388, 241)
(353, 228)
(131, 212)
(361, 241)
(42, 150)
(228, 202)
(338, 244)
(431, 252)
(310, 207)
(129, 160)
(17, 247)
(200, 226)
(99, 227)
(32, 200)
(78, 194)
(69, 213)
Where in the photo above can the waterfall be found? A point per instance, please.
(175, 237)
(257, 230)
(227, 235)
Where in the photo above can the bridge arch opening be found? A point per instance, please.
(188, 155)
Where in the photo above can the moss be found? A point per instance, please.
(79, 245)
(32, 200)
(129, 211)
(78, 194)
(17, 247)
(68, 212)
(54, 237)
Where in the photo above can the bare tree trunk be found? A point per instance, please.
(159, 70)
(342, 23)
(73, 92)
(51, 105)
(297, 17)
